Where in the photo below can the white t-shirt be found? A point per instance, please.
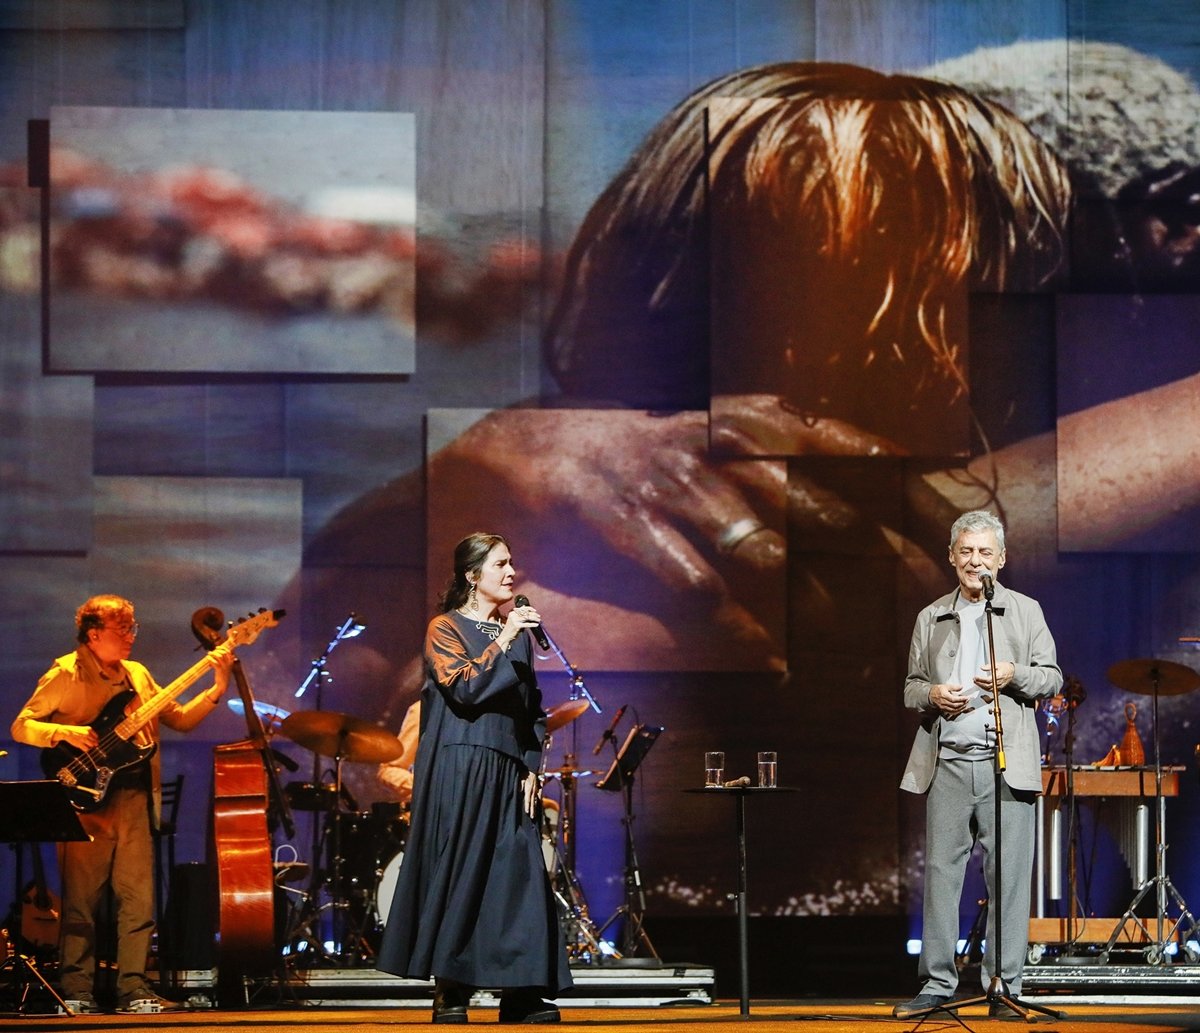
(968, 732)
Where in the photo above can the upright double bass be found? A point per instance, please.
(246, 794)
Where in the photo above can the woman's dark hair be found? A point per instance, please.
(808, 228)
(469, 555)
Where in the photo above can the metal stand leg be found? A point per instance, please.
(23, 975)
(1157, 953)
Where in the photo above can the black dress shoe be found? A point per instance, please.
(450, 1002)
(919, 1005)
(527, 1007)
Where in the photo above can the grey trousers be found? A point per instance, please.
(121, 853)
(962, 796)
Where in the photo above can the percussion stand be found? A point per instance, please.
(1160, 882)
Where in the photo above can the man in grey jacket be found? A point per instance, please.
(952, 761)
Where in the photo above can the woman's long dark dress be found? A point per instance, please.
(473, 900)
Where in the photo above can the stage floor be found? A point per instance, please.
(719, 1017)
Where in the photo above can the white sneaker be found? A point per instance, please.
(82, 1004)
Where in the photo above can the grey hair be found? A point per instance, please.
(977, 520)
(1112, 113)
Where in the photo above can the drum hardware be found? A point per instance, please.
(567, 772)
(1157, 678)
(581, 937)
(307, 796)
(579, 931)
(346, 739)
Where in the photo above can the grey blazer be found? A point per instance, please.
(1021, 636)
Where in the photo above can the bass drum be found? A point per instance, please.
(385, 888)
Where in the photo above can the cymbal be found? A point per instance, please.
(564, 713)
(1141, 676)
(268, 712)
(331, 734)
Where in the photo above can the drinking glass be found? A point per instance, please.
(767, 769)
(714, 768)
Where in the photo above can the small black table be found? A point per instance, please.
(740, 793)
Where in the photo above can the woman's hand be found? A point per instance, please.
(664, 534)
(531, 789)
(519, 618)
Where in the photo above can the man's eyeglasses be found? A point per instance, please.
(124, 630)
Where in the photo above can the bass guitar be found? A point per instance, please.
(86, 774)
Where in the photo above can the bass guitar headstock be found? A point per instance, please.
(208, 625)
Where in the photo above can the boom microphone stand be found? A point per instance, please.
(997, 991)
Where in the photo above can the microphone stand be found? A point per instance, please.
(566, 818)
(997, 991)
(351, 627)
(1072, 823)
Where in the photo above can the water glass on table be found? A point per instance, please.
(714, 769)
(768, 769)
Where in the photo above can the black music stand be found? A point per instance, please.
(633, 751)
(35, 812)
(619, 776)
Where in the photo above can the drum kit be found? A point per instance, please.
(337, 918)
(358, 852)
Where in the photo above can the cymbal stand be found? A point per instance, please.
(1160, 882)
(582, 938)
(302, 937)
(318, 673)
(306, 927)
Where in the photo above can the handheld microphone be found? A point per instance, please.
(988, 586)
(538, 633)
(608, 732)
